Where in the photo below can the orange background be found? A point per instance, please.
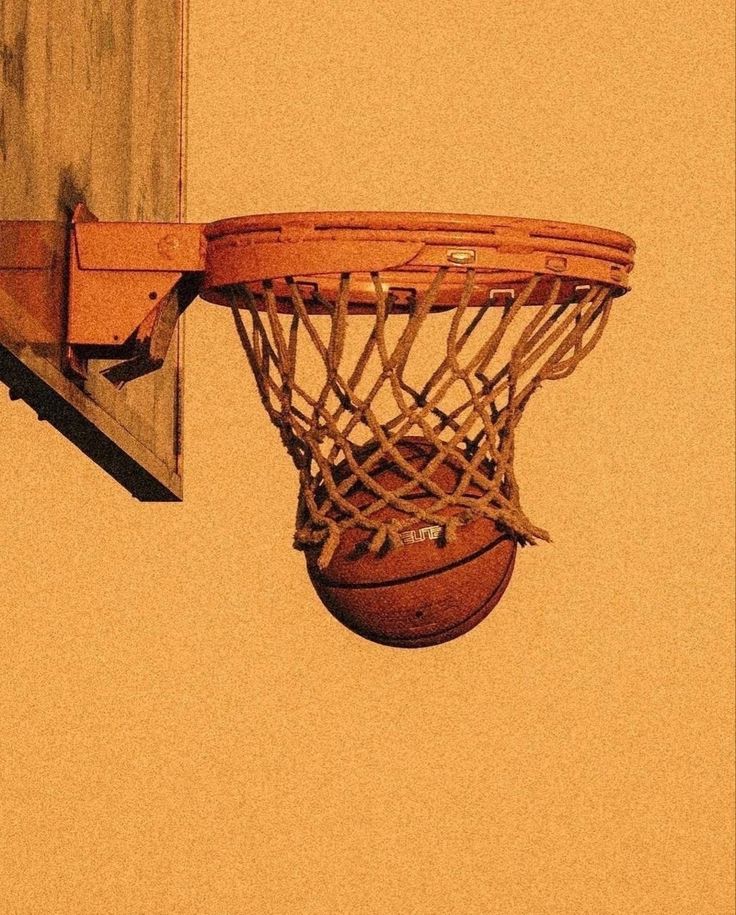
(184, 729)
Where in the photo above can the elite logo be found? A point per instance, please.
(424, 533)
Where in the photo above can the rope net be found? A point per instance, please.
(345, 389)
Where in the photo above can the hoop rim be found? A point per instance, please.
(253, 249)
(326, 222)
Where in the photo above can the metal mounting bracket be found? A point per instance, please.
(118, 295)
(127, 285)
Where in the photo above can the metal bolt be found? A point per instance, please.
(464, 256)
(169, 246)
(558, 264)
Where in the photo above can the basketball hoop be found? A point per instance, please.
(522, 302)
(395, 353)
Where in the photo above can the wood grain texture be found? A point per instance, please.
(91, 112)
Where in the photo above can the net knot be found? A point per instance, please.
(331, 543)
(451, 527)
(378, 539)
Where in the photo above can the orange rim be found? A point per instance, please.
(407, 250)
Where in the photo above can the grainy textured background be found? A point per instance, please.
(184, 730)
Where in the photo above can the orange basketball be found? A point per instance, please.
(425, 591)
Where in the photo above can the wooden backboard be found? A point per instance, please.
(91, 111)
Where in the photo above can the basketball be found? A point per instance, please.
(425, 591)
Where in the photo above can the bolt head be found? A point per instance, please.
(169, 246)
(461, 256)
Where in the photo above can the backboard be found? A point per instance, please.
(91, 112)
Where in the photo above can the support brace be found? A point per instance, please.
(128, 284)
(119, 295)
